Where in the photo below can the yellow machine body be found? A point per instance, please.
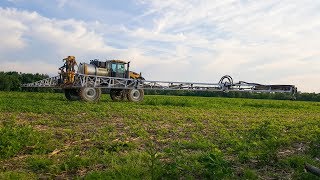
(134, 75)
(96, 68)
(68, 70)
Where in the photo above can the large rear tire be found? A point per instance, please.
(90, 94)
(135, 95)
(118, 94)
(72, 94)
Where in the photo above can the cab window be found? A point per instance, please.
(114, 67)
(121, 68)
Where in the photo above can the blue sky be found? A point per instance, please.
(275, 41)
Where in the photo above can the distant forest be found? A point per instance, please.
(11, 81)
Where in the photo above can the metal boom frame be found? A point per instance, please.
(225, 84)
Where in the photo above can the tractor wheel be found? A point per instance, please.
(118, 94)
(90, 94)
(72, 94)
(135, 95)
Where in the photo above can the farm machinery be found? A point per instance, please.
(85, 82)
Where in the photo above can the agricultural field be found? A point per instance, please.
(42, 135)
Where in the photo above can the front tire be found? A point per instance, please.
(90, 94)
(117, 94)
(72, 94)
(135, 95)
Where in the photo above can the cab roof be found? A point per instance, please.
(117, 61)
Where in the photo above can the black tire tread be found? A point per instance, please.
(72, 94)
(134, 100)
(83, 98)
(114, 94)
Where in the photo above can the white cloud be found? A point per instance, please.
(37, 66)
(29, 31)
(306, 82)
(260, 41)
(254, 40)
(11, 32)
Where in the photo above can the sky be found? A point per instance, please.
(268, 42)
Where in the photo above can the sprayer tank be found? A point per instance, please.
(90, 69)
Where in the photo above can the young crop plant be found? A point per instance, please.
(42, 135)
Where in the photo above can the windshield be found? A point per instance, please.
(118, 67)
(114, 67)
(121, 68)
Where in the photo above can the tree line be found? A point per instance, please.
(233, 94)
(12, 81)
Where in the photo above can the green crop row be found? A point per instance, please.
(42, 135)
